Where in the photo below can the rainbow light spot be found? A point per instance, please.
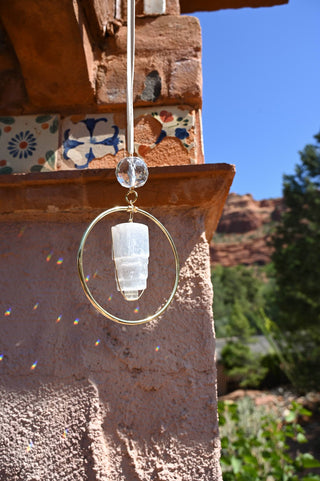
(95, 274)
(136, 310)
(1, 357)
(59, 261)
(59, 318)
(8, 312)
(87, 278)
(110, 298)
(97, 342)
(21, 232)
(157, 348)
(36, 306)
(65, 433)
(29, 447)
(34, 365)
(76, 322)
(48, 258)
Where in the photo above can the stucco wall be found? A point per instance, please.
(84, 398)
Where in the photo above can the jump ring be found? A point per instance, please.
(134, 193)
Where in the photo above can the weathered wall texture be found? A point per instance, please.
(84, 398)
(54, 58)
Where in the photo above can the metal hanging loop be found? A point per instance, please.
(131, 202)
(85, 286)
(131, 193)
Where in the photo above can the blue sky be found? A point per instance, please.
(261, 90)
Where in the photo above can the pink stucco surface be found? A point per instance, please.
(105, 401)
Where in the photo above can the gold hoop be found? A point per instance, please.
(85, 287)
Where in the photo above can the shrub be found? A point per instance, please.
(255, 446)
(242, 365)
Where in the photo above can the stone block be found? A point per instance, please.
(185, 79)
(173, 7)
(168, 33)
(163, 44)
(28, 143)
(51, 46)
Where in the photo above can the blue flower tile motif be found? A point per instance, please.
(28, 143)
(69, 144)
(22, 145)
(89, 138)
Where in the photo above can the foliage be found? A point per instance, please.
(242, 364)
(298, 353)
(296, 260)
(255, 445)
(238, 296)
(275, 375)
(283, 301)
(240, 291)
(296, 245)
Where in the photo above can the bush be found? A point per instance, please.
(298, 353)
(237, 298)
(242, 365)
(255, 447)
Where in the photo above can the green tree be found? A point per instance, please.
(237, 298)
(296, 259)
(297, 244)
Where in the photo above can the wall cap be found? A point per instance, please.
(77, 195)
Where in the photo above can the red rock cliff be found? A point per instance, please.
(244, 230)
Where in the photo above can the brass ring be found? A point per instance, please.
(133, 192)
(85, 287)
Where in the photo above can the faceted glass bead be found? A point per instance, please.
(132, 172)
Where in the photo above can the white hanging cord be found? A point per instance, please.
(130, 73)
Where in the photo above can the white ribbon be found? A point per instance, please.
(130, 73)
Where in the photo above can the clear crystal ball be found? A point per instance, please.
(132, 172)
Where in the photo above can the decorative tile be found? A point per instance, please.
(89, 137)
(85, 138)
(31, 143)
(28, 143)
(171, 122)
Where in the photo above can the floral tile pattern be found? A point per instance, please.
(42, 143)
(28, 143)
(88, 137)
(174, 122)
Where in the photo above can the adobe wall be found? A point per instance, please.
(84, 398)
(140, 404)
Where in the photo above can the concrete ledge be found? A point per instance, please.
(78, 194)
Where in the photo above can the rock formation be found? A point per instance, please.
(244, 229)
